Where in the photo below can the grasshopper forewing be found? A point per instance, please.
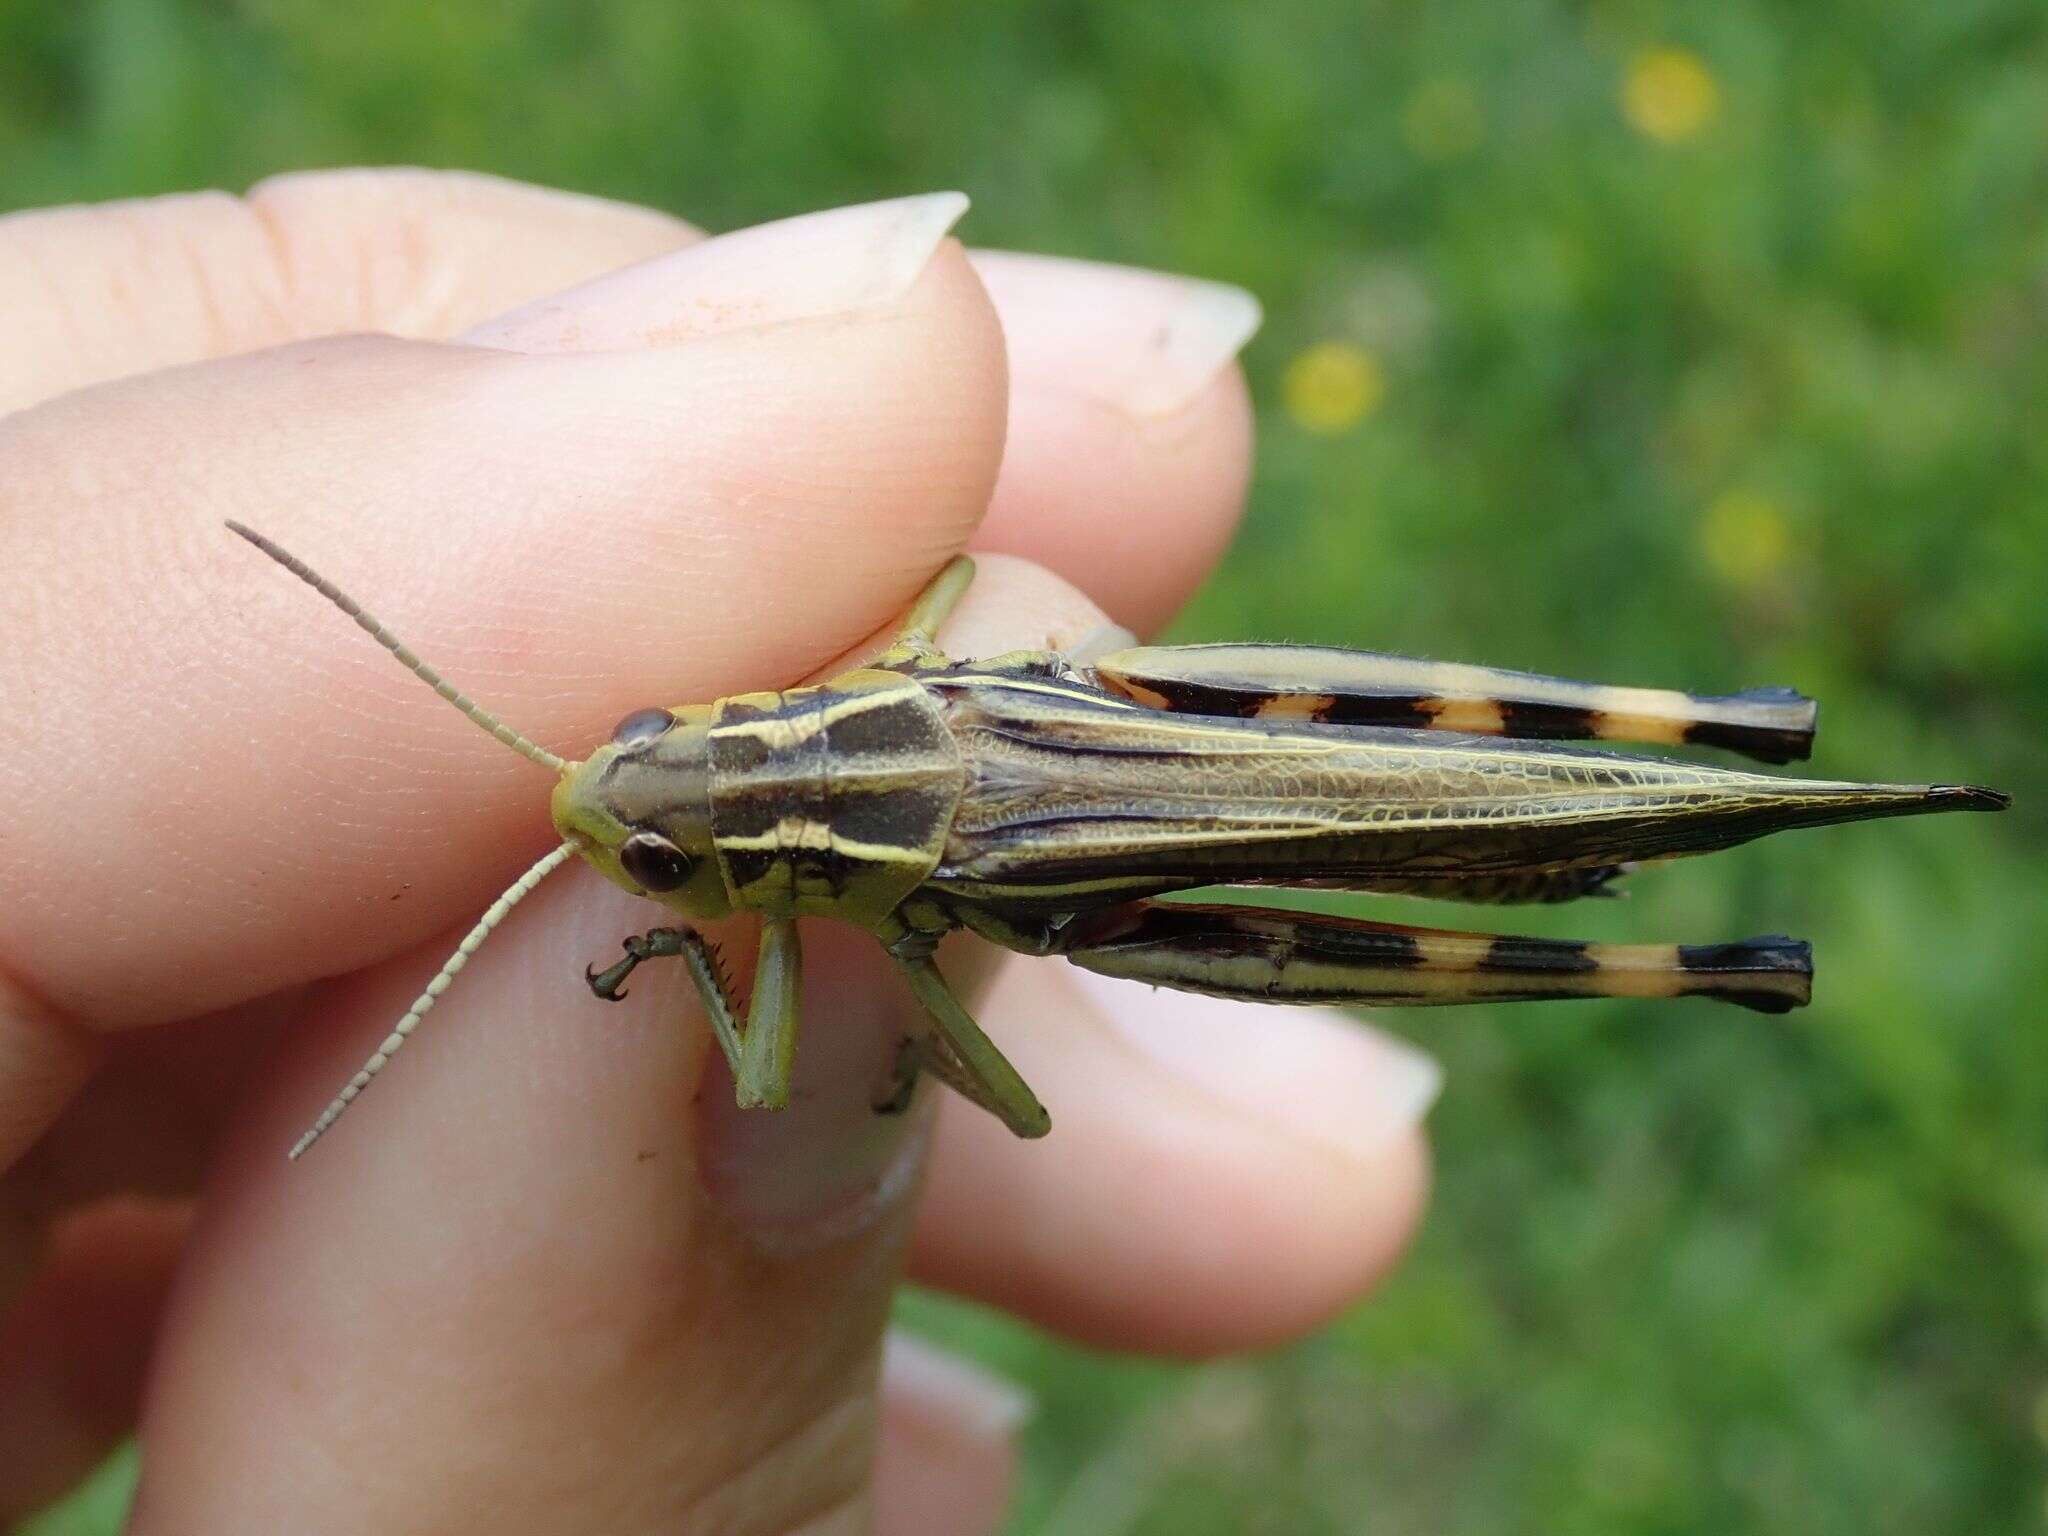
(1048, 806)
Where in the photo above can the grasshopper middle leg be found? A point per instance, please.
(916, 641)
(957, 1052)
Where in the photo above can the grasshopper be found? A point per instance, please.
(1046, 806)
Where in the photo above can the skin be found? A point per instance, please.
(544, 1264)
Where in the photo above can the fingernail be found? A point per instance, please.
(827, 1166)
(831, 263)
(1145, 342)
(944, 1389)
(1315, 1071)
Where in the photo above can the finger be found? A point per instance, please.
(92, 1215)
(73, 1347)
(106, 290)
(1128, 447)
(529, 1271)
(148, 1120)
(946, 1455)
(571, 535)
(1222, 1176)
(1130, 432)
(44, 1060)
(1129, 429)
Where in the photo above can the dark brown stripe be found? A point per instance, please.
(1773, 952)
(1531, 720)
(1787, 963)
(1788, 742)
(1510, 953)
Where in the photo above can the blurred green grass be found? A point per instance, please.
(1703, 367)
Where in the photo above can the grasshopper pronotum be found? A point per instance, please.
(1044, 805)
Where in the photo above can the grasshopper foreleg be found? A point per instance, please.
(655, 944)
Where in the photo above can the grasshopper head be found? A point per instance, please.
(639, 809)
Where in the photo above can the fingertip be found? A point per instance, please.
(1138, 513)
(946, 1456)
(75, 1345)
(1180, 1209)
(1131, 429)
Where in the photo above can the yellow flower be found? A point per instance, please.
(1669, 95)
(1744, 538)
(1332, 386)
(1443, 120)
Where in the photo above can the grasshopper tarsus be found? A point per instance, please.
(903, 1077)
(606, 983)
(654, 944)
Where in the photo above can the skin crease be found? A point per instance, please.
(479, 1281)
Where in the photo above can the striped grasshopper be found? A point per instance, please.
(1046, 805)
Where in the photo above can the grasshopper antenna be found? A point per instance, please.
(398, 648)
(515, 893)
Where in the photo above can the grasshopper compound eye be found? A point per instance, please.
(653, 862)
(641, 727)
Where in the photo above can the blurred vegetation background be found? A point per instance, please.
(1677, 344)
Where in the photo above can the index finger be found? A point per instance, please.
(402, 251)
(1128, 434)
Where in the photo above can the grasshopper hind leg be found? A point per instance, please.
(1271, 956)
(1306, 682)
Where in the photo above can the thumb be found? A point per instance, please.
(537, 1267)
(543, 1268)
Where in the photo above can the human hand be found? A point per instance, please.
(546, 1268)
